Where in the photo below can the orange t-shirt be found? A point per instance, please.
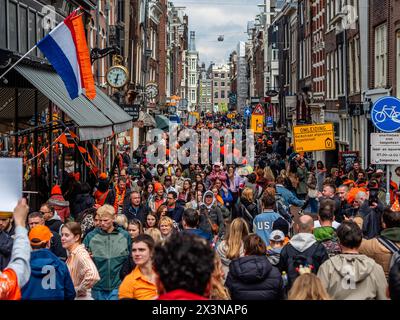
(137, 286)
(9, 289)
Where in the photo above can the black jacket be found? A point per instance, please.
(251, 208)
(127, 267)
(111, 198)
(81, 203)
(131, 213)
(56, 246)
(176, 213)
(316, 255)
(54, 225)
(254, 278)
(6, 245)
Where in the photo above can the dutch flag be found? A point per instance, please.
(66, 49)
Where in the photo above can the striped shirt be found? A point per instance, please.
(83, 271)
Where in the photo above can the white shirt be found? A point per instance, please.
(335, 224)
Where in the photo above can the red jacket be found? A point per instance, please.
(180, 295)
(60, 205)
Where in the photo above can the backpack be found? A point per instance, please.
(332, 247)
(282, 209)
(393, 248)
(226, 213)
(297, 259)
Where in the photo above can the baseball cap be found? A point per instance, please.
(277, 235)
(39, 235)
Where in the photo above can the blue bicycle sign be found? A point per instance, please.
(385, 114)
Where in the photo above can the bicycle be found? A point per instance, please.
(387, 112)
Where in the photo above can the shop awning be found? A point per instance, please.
(121, 120)
(148, 120)
(96, 119)
(91, 122)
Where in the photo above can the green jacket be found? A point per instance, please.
(324, 233)
(109, 252)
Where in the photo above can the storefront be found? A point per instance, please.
(55, 135)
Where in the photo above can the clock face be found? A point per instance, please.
(152, 91)
(117, 77)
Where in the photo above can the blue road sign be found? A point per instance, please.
(385, 114)
(247, 112)
(270, 122)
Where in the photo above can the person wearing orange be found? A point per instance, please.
(140, 284)
(58, 202)
(102, 191)
(17, 272)
(119, 196)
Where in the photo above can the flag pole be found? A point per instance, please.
(30, 50)
(18, 61)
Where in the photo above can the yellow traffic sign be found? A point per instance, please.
(316, 137)
(257, 123)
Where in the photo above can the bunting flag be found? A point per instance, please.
(82, 149)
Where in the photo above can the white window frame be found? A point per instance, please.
(381, 56)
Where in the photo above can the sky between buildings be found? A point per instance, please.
(212, 18)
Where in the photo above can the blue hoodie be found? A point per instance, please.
(50, 278)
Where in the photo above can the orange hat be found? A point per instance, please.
(103, 176)
(158, 186)
(56, 190)
(396, 206)
(39, 235)
(77, 176)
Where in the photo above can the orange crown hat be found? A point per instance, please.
(103, 176)
(39, 235)
(158, 186)
(396, 206)
(56, 190)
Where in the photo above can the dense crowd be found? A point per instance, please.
(283, 229)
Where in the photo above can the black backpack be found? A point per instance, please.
(297, 258)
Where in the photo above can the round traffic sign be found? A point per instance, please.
(385, 114)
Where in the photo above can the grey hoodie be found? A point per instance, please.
(353, 277)
(302, 241)
(204, 199)
(214, 214)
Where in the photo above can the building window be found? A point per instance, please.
(192, 79)
(398, 64)
(222, 94)
(216, 75)
(351, 66)
(357, 64)
(380, 55)
(215, 84)
(223, 75)
(222, 84)
(193, 93)
(216, 95)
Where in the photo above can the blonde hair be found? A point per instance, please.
(155, 233)
(308, 287)
(106, 210)
(238, 229)
(268, 174)
(122, 220)
(248, 194)
(166, 220)
(218, 290)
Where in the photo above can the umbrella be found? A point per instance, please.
(162, 122)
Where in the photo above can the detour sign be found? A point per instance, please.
(316, 137)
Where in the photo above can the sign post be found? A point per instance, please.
(385, 147)
(316, 137)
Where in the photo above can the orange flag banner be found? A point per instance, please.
(63, 139)
(73, 135)
(83, 57)
(82, 149)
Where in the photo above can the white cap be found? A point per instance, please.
(277, 236)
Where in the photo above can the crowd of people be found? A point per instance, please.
(283, 229)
